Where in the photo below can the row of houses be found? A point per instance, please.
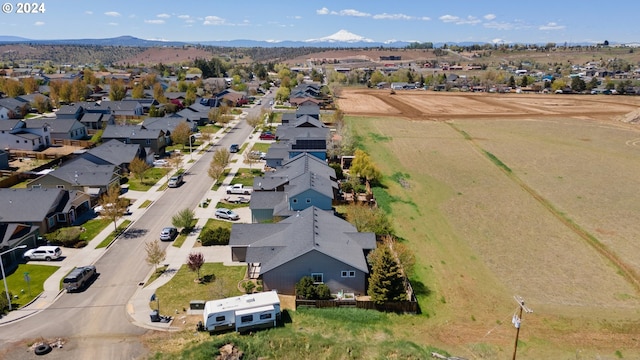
(308, 239)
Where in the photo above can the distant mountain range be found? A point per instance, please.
(341, 39)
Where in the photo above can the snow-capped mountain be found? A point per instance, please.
(343, 36)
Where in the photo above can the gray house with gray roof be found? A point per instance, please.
(312, 243)
(114, 152)
(152, 139)
(79, 174)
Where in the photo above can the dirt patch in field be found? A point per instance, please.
(431, 105)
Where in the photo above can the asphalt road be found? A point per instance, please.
(94, 322)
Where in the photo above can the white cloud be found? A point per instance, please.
(323, 11)
(552, 26)
(155, 21)
(469, 20)
(489, 17)
(213, 20)
(184, 17)
(89, 12)
(38, 23)
(424, 18)
(190, 21)
(448, 18)
(163, 16)
(385, 16)
(112, 13)
(113, 24)
(353, 12)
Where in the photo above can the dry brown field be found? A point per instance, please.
(553, 220)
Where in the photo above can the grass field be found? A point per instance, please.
(517, 202)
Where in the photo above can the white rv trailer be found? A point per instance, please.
(242, 313)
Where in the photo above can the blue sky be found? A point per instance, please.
(511, 21)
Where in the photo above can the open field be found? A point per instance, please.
(533, 195)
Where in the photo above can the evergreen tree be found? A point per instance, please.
(386, 282)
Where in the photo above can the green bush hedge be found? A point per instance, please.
(67, 237)
(216, 236)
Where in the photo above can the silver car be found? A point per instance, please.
(227, 214)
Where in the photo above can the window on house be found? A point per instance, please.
(308, 200)
(36, 186)
(265, 316)
(148, 141)
(60, 186)
(219, 318)
(295, 201)
(246, 319)
(61, 218)
(317, 278)
(51, 221)
(348, 273)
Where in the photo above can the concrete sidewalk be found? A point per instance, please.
(138, 307)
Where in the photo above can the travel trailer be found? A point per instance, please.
(242, 313)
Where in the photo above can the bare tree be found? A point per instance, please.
(250, 158)
(155, 254)
(195, 262)
(112, 206)
(175, 160)
(254, 121)
(215, 170)
(222, 157)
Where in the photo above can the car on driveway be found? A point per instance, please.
(226, 214)
(47, 253)
(267, 135)
(168, 233)
(160, 162)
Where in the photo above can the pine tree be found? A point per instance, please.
(386, 280)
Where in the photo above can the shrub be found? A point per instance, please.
(217, 236)
(249, 286)
(67, 237)
(307, 289)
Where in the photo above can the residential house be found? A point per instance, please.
(313, 243)
(153, 139)
(114, 152)
(125, 109)
(232, 98)
(300, 182)
(196, 112)
(79, 174)
(44, 210)
(31, 98)
(93, 115)
(168, 124)
(4, 113)
(17, 109)
(64, 128)
(18, 135)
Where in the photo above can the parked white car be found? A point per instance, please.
(47, 253)
(160, 162)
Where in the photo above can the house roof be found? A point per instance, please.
(310, 181)
(128, 105)
(312, 229)
(261, 200)
(12, 103)
(294, 168)
(167, 123)
(130, 132)
(113, 152)
(91, 117)
(28, 205)
(285, 133)
(83, 172)
(60, 125)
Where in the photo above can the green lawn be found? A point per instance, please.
(18, 286)
(245, 176)
(151, 176)
(264, 147)
(93, 227)
(219, 281)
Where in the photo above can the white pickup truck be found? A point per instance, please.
(239, 189)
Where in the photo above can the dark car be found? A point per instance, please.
(234, 148)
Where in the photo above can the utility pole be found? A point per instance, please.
(516, 321)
